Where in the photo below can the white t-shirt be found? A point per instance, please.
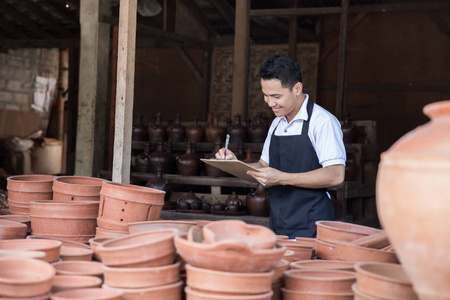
(324, 132)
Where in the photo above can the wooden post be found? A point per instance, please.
(240, 61)
(293, 34)
(340, 84)
(63, 86)
(125, 91)
(112, 109)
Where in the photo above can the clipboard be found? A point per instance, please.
(233, 167)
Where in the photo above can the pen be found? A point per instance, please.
(227, 141)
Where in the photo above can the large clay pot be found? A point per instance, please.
(257, 131)
(142, 160)
(215, 132)
(88, 293)
(177, 132)
(188, 164)
(161, 184)
(139, 132)
(163, 160)
(257, 202)
(50, 247)
(157, 131)
(69, 188)
(195, 132)
(237, 131)
(412, 202)
(12, 230)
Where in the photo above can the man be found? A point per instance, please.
(303, 153)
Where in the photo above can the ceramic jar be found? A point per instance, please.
(142, 160)
(195, 132)
(257, 202)
(139, 132)
(412, 201)
(176, 132)
(162, 159)
(188, 164)
(233, 203)
(215, 132)
(161, 184)
(237, 131)
(157, 131)
(257, 131)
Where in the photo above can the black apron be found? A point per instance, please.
(295, 210)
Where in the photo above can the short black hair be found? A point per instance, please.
(283, 68)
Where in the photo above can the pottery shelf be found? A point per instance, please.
(201, 147)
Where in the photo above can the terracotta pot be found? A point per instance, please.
(349, 252)
(325, 250)
(102, 232)
(255, 236)
(318, 264)
(375, 241)
(88, 294)
(319, 281)
(166, 292)
(143, 160)
(80, 268)
(121, 204)
(237, 131)
(257, 202)
(195, 132)
(133, 278)
(301, 251)
(71, 282)
(188, 164)
(157, 131)
(71, 220)
(193, 294)
(22, 254)
(199, 223)
(75, 253)
(67, 243)
(289, 255)
(182, 226)
(282, 237)
(359, 295)
(215, 132)
(69, 188)
(228, 282)
(228, 256)
(25, 277)
(276, 289)
(12, 230)
(295, 295)
(278, 275)
(94, 242)
(51, 248)
(386, 281)
(24, 219)
(25, 188)
(412, 184)
(335, 231)
(162, 160)
(40, 297)
(145, 249)
(176, 132)
(139, 132)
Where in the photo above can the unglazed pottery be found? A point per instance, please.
(94, 242)
(88, 294)
(145, 249)
(25, 277)
(69, 188)
(319, 264)
(278, 275)
(50, 247)
(24, 219)
(45, 296)
(385, 281)
(289, 255)
(102, 232)
(255, 236)
(375, 241)
(12, 230)
(258, 202)
(359, 295)
(296, 295)
(349, 252)
(319, 281)
(195, 132)
(63, 241)
(412, 203)
(75, 253)
(133, 278)
(228, 282)
(82, 268)
(70, 220)
(22, 254)
(301, 250)
(336, 231)
(182, 226)
(121, 204)
(192, 294)
(71, 282)
(325, 250)
(167, 292)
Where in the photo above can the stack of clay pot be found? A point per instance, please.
(229, 259)
(142, 265)
(121, 204)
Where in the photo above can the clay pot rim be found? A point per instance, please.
(63, 241)
(26, 253)
(109, 293)
(25, 217)
(361, 269)
(359, 228)
(12, 224)
(366, 296)
(93, 281)
(78, 262)
(189, 290)
(66, 203)
(149, 289)
(62, 181)
(46, 296)
(132, 187)
(282, 263)
(120, 269)
(34, 177)
(44, 244)
(316, 293)
(77, 252)
(330, 275)
(358, 250)
(316, 264)
(231, 274)
(46, 270)
(294, 244)
(95, 239)
(163, 222)
(324, 243)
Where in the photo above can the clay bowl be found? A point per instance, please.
(25, 277)
(63, 241)
(75, 253)
(278, 275)
(94, 242)
(82, 268)
(349, 252)
(319, 281)
(228, 282)
(51, 248)
(40, 297)
(360, 295)
(12, 230)
(88, 294)
(103, 232)
(282, 237)
(70, 282)
(194, 294)
(166, 292)
(182, 226)
(255, 236)
(318, 264)
(228, 256)
(134, 278)
(325, 250)
(384, 280)
(289, 255)
(335, 231)
(24, 219)
(146, 249)
(199, 223)
(301, 251)
(22, 254)
(296, 295)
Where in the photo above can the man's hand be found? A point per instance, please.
(267, 176)
(221, 154)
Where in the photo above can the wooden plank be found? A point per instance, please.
(226, 11)
(189, 63)
(169, 15)
(340, 82)
(200, 17)
(292, 47)
(112, 108)
(125, 91)
(240, 61)
(18, 123)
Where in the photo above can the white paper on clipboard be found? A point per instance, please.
(233, 167)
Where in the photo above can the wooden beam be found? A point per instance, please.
(393, 87)
(37, 43)
(113, 88)
(200, 17)
(340, 92)
(293, 34)
(11, 29)
(125, 91)
(240, 60)
(226, 11)
(170, 15)
(61, 8)
(440, 23)
(190, 64)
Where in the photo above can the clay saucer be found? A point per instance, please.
(359, 295)
(86, 268)
(75, 253)
(146, 249)
(384, 280)
(255, 236)
(319, 264)
(295, 295)
(349, 252)
(202, 295)
(228, 256)
(88, 294)
(40, 297)
(70, 282)
(12, 230)
(301, 250)
(325, 250)
(22, 254)
(336, 231)
(228, 282)
(278, 276)
(135, 278)
(182, 226)
(94, 242)
(50, 247)
(103, 232)
(24, 219)
(289, 255)
(167, 291)
(64, 242)
(319, 281)
(25, 277)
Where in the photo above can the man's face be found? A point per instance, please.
(281, 100)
